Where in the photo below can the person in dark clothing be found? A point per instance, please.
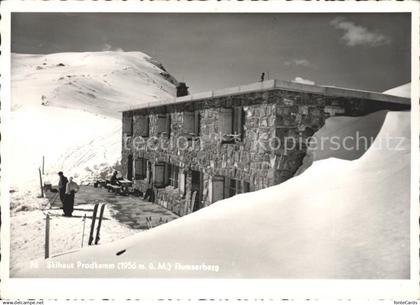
(262, 77)
(149, 195)
(71, 189)
(114, 180)
(62, 183)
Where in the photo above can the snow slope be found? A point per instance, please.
(65, 107)
(403, 90)
(96, 82)
(338, 219)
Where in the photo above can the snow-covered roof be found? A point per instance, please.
(278, 84)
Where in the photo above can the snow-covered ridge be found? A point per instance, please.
(96, 82)
(65, 107)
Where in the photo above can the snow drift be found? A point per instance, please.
(403, 91)
(65, 107)
(339, 219)
(354, 134)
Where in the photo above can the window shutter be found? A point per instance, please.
(137, 169)
(168, 124)
(167, 173)
(225, 121)
(162, 123)
(141, 125)
(147, 132)
(197, 122)
(238, 117)
(128, 125)
(188, 126)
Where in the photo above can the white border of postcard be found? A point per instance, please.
(204, 288)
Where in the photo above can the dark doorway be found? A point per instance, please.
(130, 167)
(197, 186)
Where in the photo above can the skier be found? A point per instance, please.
(71, 189)
(62, 183)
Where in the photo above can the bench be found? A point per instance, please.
(100, 183)
(113, 188)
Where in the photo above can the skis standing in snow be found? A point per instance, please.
(92, 226)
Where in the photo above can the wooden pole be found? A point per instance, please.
(43, 164)
(47, 236)
(83, 234)
(40, 181)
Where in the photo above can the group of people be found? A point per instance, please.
(67, 189)
(148, 195)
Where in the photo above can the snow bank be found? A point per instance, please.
(353, 134)
(403, 91)
(339, 219)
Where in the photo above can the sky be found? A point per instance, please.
(363, 51)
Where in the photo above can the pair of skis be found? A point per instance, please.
(92, 226)
(150, 224)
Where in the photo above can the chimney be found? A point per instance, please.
(182, 90)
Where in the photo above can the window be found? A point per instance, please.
(159, 176)
(140, 168)
(231, 124)
(162, 174)
(128, 125)
(192, 120)
(173, 175)
(141, 125)
(164, 124)
(225, 187)
(217, 188)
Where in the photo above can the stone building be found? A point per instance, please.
(197, 149)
